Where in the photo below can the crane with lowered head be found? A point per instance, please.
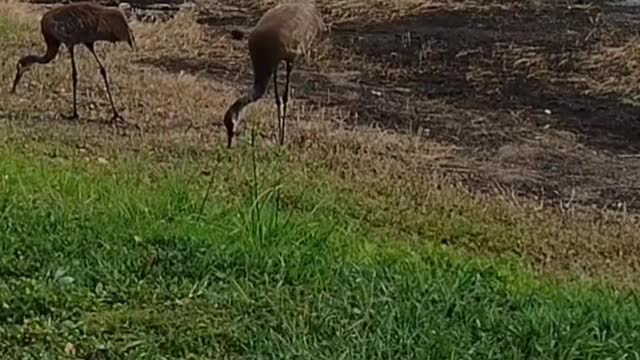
(74, 24)
(283, 33)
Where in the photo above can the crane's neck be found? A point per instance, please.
(44, 59)
(26, 61)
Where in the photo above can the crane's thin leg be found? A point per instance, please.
(285, 98)
(103, 72)
(74, 81)
(275, 91)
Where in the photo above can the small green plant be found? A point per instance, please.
(263, 220)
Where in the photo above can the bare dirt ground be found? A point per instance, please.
(523, 92)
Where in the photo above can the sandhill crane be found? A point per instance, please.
(74, 24)
(282, 34)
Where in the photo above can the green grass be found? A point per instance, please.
(122, 260)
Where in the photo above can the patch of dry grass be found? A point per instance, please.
(613, 69)
(401, 187)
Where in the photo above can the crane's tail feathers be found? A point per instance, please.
(237, 34)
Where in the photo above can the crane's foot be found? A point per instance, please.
(73, 116)
(118, 121)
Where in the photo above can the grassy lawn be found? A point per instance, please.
(124, 260)
(346, 244)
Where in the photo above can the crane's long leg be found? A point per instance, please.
(103, 72)
(285, 98)
(275, 92)
(74, 81)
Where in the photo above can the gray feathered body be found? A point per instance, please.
(283, 33)
(287, 30)
(86, 22)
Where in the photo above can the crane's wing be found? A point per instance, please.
(74, 25)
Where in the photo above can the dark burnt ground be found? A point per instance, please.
(137, 3)
(503, 84)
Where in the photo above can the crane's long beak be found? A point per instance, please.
(19, 73)
(229, 125)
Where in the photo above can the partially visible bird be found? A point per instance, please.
(79, 23)
(282, 34)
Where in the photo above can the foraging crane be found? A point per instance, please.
(282, 34)
(74, 24)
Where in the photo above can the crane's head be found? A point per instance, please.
(234, 115)
(22, 66)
